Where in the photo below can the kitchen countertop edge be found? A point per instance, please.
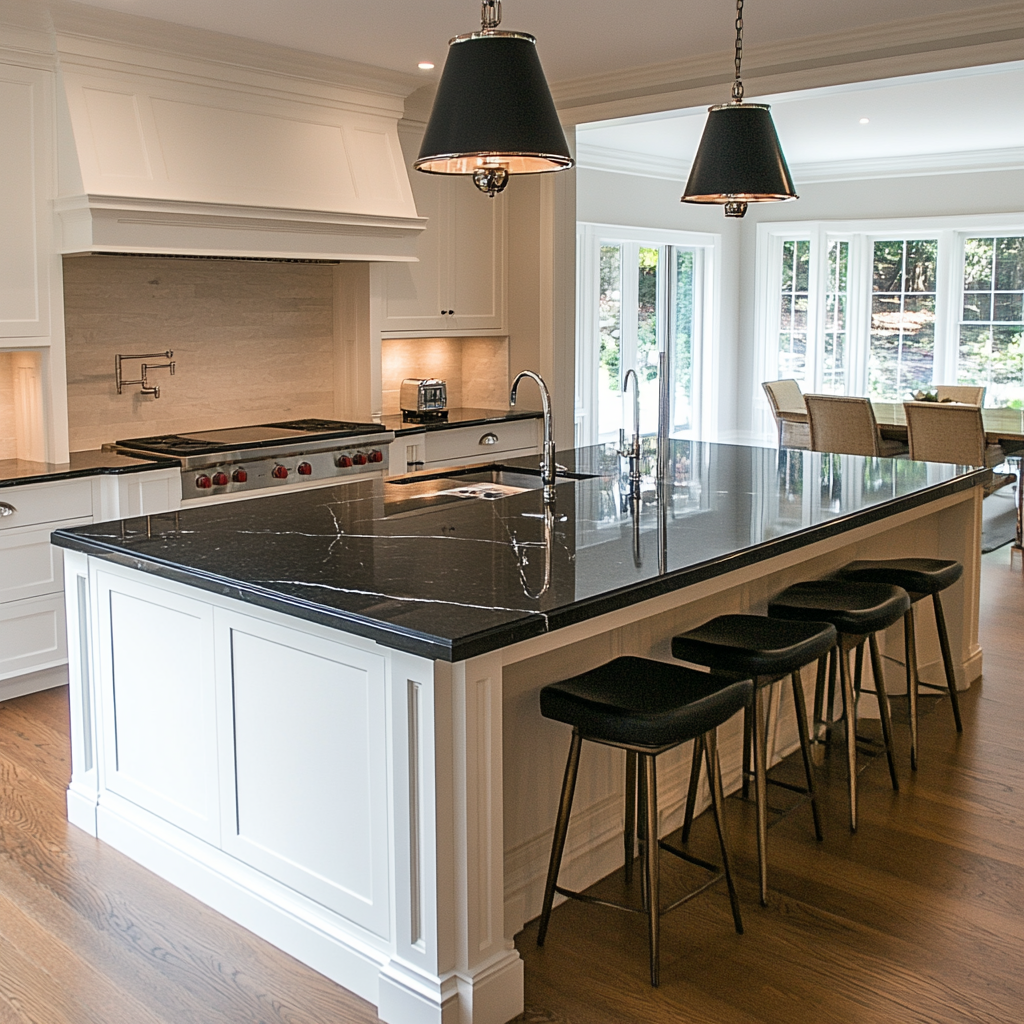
(83, 464)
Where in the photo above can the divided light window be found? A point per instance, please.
(992, 320)
(902, 318)
(887, 314)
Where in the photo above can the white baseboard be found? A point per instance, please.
(33, 682)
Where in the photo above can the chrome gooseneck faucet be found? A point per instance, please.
(547, 462)
(633, 451)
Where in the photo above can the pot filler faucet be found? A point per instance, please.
(633, 451)
(547, 461)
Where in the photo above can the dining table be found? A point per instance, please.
(1002, 426)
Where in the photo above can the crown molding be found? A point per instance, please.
(988, 35)
(640, 165)
(98, 33)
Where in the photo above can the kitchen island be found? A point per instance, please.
(317, 711)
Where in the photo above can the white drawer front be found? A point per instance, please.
(45, 503)
(29, 565)
(32, 635)
(483, 443)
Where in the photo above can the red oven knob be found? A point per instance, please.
(305, 469)
(343, 461)
(359, 459)
(239, 476)
(376, 456)
(279, 472)
(220, 479)
(203, 482)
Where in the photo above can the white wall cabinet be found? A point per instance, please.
(458, 286)
(26, 161)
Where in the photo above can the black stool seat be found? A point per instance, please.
(752, 645)
(643, 703)
(855, 609)
(917, 575)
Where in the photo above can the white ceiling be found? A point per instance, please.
(945, 120)
(575, 38)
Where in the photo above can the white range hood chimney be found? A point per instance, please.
(178, 142)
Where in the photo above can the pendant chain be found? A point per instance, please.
(490, 14)
(737, 86)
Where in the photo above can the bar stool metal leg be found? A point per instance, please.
(850, 714)
(572, 765)
(884, 712)
(947, 659)
(691, 792)
(910, 648)
(653, 848)
(629, 828)
(709, 742)
(760, 788)
(805, 749)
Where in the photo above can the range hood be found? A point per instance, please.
(207, 155)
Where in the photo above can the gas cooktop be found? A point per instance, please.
(262, 435)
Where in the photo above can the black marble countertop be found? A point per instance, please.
(14, 472)
(459, 418)
(416, 567)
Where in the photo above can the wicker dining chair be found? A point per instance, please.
(954, 433)
(787, 403)
(960, 393)
(847, 425)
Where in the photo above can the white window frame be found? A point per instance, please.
(861, 234)
(707, 295)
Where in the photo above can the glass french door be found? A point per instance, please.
(648, 299)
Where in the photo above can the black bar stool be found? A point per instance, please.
(858, 611)
(765, 650)
(920, 577)
(645, 707)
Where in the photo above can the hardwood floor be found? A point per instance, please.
(917, 918)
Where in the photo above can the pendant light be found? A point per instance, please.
(739, 159)
(493, 115)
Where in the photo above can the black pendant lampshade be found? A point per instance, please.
(739, 159)
(493, 115)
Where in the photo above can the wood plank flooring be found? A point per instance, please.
(917, 918)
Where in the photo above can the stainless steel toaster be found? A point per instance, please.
(423, 395)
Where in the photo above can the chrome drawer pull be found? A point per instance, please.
(489, 438)
(9, 510)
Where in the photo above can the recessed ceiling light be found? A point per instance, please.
(425, 65)
(863, 120)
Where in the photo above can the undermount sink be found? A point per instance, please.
(492, 482)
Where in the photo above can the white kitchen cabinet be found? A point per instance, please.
(25, 192)
(33, 636)
(458, 286)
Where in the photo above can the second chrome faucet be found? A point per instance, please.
(547, 461)
(633, 451)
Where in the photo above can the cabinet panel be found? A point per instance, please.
(46, 503)
(306, 800)
(25, 160)
(29, 565)
(483, 443)
(158, 706)
(475, 258)
(415, 293)
(32, 635)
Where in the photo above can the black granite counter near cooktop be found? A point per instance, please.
(459, 418)
(14, 472)
(420, 569)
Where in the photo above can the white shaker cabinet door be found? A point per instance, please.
(157, 701)
(25, 186)
(303, 736)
